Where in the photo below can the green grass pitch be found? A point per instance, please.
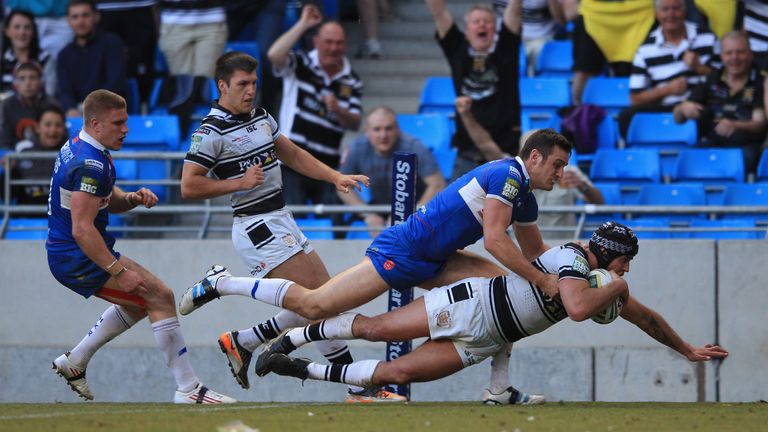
(423, 416)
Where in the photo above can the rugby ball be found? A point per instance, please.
(597, 279)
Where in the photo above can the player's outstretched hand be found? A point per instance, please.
(707, 352)
(144, 197)
(344, 182)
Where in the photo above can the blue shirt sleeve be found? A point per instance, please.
(505, 183)
(90, 179)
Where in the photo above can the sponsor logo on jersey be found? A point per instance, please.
(443, 319)
(581, 265)
(470, 357)
(514, 172)
(89, 185)
(511, 188)
(195, 141)
(93, 163)
(262, 159)
(389, 265)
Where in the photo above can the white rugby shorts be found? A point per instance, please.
(455, 312)
(267, 240)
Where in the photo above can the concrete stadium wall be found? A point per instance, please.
(688, 282)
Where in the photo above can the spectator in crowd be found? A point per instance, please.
(605, 33)
(675, 57)
(21, 44)
(53, 29)
(93, 60)
(485, 71)
(267, 19)
(50, 134)
(372, 153)
(369, 15)
(540, 23)
(20, 110)
(136, 25)
(756, 26)
(728, 106)
(192, 34)
(321, 99)
(573, 185)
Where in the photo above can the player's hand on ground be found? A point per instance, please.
(132, 282)
(346, 182)
(707, 352)
(254, 176)
(547, 283)
(144, 197)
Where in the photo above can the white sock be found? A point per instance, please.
(336, 328)
(251, 338)
(270, 291)
(110, 324)
(358, 373)
(500, 370)
(171, 342)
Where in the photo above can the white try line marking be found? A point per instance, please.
(193, 408)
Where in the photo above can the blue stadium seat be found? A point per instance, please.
(612, 94)
(540, 98)
(522, 62)
(132, 97)
(433, 130)
(730, 223)
(712, 165)
(555, 59)
(39, 229)
(437, 95)
(446, 158)
(316, 223)
(659, 130)
(358, 235)
(762, 168)
(646, 226)
(686, 194)
(612, 196)
(746, 194)
(626, 166)
(607, 136)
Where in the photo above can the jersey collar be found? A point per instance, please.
(314, 57)
(90, 140)
(522, 165)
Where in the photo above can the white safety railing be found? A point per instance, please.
(206, 209)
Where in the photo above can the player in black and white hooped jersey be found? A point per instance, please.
(243, 148)
(474, 318)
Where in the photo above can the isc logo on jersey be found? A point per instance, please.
(92, 163)
(511, 188)
(88, 185)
